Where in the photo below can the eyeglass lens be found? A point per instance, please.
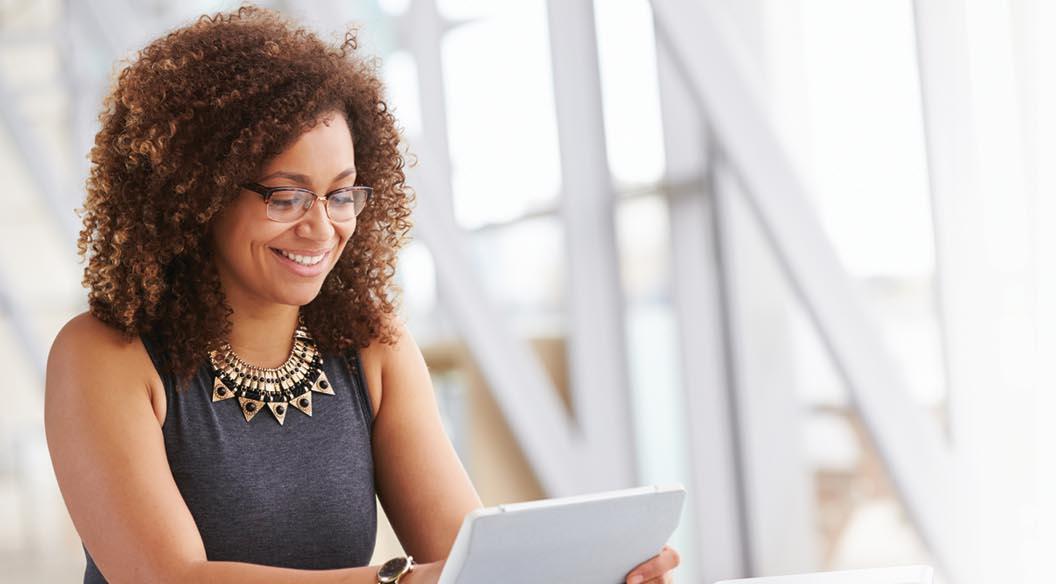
(292, 205)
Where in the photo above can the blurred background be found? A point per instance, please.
(789, 253)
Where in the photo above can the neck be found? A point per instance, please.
(263, 336)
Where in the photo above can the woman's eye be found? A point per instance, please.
(342, 199)
(285, 200)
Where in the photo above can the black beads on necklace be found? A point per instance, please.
(277, 388)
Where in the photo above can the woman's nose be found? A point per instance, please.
(316, 223)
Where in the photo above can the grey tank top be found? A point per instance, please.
(299, 495)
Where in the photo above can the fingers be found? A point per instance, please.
(657, 569)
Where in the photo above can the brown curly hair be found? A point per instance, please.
(198, 112)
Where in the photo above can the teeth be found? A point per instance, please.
(303, 260)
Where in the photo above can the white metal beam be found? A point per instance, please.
(715, 491)
(985, 246)
(1036, 19)
(422, 31)
(777, 484)
(908, 441)
(517, 380)
(567, 459)
(596, 337)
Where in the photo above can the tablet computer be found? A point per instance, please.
(586, 539)
(900, 575)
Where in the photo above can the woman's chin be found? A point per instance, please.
(304, 295)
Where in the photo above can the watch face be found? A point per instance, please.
(392, 568)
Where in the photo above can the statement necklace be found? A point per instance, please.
(290, 384)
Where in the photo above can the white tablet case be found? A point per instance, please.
(588, 539)
(902, 575)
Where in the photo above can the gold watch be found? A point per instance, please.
(394, 569)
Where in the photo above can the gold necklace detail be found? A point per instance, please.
(290, 384)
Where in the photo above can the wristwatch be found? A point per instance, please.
(394, 569)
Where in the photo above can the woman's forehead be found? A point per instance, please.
(323, 152)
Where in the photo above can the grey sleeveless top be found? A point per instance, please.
(299, 495)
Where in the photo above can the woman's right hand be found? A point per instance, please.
(424, 573)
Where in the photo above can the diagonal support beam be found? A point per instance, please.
(909, 442)
(593, 450)
(516, 378)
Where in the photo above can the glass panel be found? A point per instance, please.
(645, 248)
(627, 59)
(657, 400)
(851, 70)
(523, 269)
(843, 92)
(394, 7)
(400, 73)
(416, 275)
(503, 132)
(858, 519)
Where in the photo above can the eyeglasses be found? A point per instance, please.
(288, 204)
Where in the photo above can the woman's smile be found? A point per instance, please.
(307, 263)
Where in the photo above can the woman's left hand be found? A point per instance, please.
(656, 570)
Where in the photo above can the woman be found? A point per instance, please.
(245, 206)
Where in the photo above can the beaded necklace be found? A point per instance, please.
(278, 388)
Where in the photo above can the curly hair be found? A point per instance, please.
(196, 113)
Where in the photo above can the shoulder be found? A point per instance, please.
(85, 330)
(380, 359)
(85, 342)
(89, 356)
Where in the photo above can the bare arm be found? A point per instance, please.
(239, 572)
(109, 456)
(421, 483)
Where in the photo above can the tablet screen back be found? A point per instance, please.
(589, 539)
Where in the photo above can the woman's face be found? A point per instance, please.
(251, 249)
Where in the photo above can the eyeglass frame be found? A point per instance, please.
(266, 192)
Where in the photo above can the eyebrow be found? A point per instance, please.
(303, 179)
